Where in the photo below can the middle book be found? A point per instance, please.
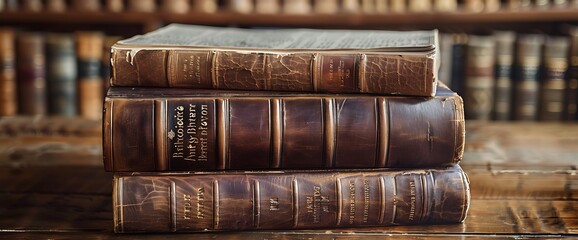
(153, 129)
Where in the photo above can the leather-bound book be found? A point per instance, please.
(296, 6)
(8, 100)
(61, 74)
(31, 5)
(325, 7)
(398, 6)
(503, 73)
(571, 110)
(90, 82)
(31, 74)
(175, 6)
(526, 76)
(553, 86)
(147, 6)
(303, 60)
(459, 50)
(105, 69)
(204, 6)
(224, 201)
(420, 5)
(114, 5)
(184, 129)
(267, 6)
(56, 6)
(86, 5)
(239, 6)
(479, 80)
(445, 5)
(350, 6)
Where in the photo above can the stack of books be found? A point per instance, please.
(212, 129)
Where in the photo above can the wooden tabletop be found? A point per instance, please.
(524, 183)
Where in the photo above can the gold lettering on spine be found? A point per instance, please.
(200, 203)
(179, 133)
(274, 204)
(351, 201)
(316, 204)
(412, 200)
(204, 129)
(366, 195)
(187, 207)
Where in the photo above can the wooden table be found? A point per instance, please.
(524, 183)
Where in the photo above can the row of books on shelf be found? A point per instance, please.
(281, 6)
(53, 73)
(510, 76)
(239, 158)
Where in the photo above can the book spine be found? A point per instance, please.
(503, 73)
(572, 82)
(459, 50)
(61, 74)
(553, 84)
(479, 80)
(192, 133)
(300, 71)
(527, 74)
(300, 200)
(8, 101)
(90, 84)
(31, 74)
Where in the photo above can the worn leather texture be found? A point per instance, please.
(149, 129)
(190, 202)
(382, 73)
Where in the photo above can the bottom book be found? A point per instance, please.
(276, 200)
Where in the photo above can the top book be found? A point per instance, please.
(299, 60)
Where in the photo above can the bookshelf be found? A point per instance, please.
(51, 157)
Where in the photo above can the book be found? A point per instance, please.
(175, 6)
(479, 79)
(459, 57)
(90, 83)
(307, 60)
(204, 6)
(571, 109)
(325, 7)
(553, 82)
(61, 74)
(183, 129)
(8, 100)
(31, 73)
(200, 202)
(526, 76)
(503, 74)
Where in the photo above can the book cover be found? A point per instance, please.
(527, 76)
(283, 200)
(306, 60)
(182, 129)
(8, 100)
(571, 109)
(503, 74)
(553, 82)
(61, 74)
(479, 79)
(90, 83)
(31, 74)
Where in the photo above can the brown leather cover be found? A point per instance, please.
(479, 79)
(90, 83)
(31, 74)
(527, 77)
(553, 84)
(150, 61)
(8, 102)
(148, 129)
(191, 202)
